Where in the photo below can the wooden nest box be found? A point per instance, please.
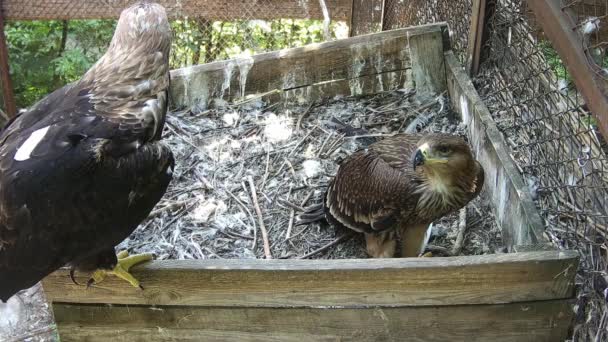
(523, 295)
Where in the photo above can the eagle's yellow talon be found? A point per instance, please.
(121, 270)
(427, 255)
(122, 255)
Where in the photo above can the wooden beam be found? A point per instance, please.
(5, 77)
(428, 66)
(482, 12)
(485, 279)
(366, 85)
(530, 321)
(345, 59)
(514, 208)
(208, 9)
(558, 26)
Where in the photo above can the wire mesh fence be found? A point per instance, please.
(552, 136)
(69, 36)
(399, 13)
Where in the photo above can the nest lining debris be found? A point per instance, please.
(290, 152)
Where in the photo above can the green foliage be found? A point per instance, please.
(554, 60)
(42, 61)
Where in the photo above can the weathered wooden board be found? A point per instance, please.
(485, 279)
(428, 66)
(515, 210)
(532, 321)
(365, 85)
(208, 9)
(345, 59)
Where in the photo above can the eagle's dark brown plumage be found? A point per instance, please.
(400, 185)
(83, 167)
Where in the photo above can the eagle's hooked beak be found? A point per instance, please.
(423, 156)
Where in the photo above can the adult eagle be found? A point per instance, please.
(398, 186)
(83, 167)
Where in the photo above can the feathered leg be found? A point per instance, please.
(381, 245)
(413, 240)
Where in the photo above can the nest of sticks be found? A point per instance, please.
(244, 172)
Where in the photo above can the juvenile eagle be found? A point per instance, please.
(398, 186)
(83, 167)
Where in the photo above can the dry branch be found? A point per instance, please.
(256, 204)
(462, 227)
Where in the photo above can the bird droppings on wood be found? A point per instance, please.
(290, 151)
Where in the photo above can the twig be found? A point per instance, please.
(257, 96)
(291, 169)
(34, 333)
(256, 204)
(255, 231)
(266, 170)
(169, 207)
(438, 249)
(293, 206)
(335, 242)
(323, 144)
(308, 196)
(303, 115)
(292, 216)
(462, 227)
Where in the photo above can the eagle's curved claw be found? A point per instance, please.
(121, 270)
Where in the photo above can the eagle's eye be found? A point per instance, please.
(443, 149)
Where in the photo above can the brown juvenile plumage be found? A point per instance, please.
(399, 185)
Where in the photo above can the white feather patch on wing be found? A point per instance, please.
(426, 239)
(24, 152)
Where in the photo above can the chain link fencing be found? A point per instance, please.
(552, 136)
(69, 35)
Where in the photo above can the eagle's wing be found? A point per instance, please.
(72, 182)
(367, 193)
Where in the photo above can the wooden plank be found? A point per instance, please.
(5, 77)
(208, 9)
(482, 12)
(530, 321)
(514, 208)
(485, 279)
(558, 26)
(350, 58)
(365, 85)
(428, 66)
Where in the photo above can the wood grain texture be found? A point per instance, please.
(208, 9)
(532, 321)
(514, 208)
(6, 85)
(486, 279)
(428, 66)
(345, 59)
(364, 85)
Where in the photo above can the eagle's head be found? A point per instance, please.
(145, 25)
(443, 156)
